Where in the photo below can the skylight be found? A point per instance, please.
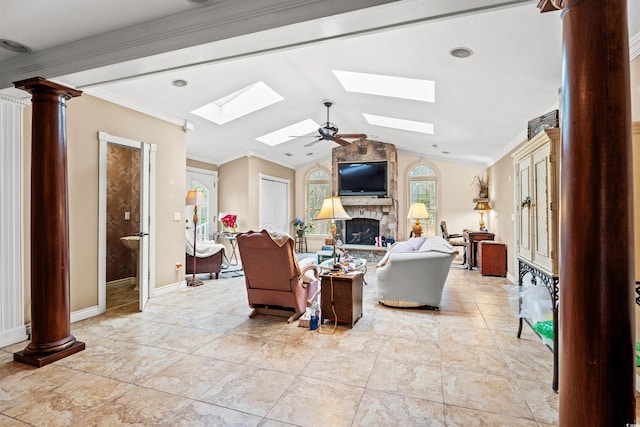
(239, 103)
(288, 133)
(391, 122)
(396, 87)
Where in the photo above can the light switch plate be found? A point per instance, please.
(176, 216)
(127, 216)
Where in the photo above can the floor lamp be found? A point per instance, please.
(195, 198)
(332, 209)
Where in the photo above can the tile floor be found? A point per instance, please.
(194, 358)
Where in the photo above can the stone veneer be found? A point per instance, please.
(383, 209)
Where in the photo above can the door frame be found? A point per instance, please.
(213, 213)
(104, 139)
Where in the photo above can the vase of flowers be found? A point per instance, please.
(229, 222)
(301, 226)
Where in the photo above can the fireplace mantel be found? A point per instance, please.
(365, 201)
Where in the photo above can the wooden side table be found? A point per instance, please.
(472, 238)
(346, 290)
(301, 244)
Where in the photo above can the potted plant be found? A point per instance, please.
(301, 226)
(482, 184)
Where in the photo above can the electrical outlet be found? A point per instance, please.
(176, 216)
(127, 216)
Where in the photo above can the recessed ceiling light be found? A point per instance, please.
(239, 103)
(179, 83)
(402, 124)
(288, 154)
(461, 52)
(14, 46)
(446, 152)
(288, 133)
(309, 154)
(396, 87)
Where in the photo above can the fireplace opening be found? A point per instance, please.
(362, 231)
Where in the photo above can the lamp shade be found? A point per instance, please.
(194, 198)
(418, 211)
(482, 206)
(332, 209)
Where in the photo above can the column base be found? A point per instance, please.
(40, 361)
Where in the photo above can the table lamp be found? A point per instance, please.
(482, 206)
(332, 209)
(195, 198)
(418, 211)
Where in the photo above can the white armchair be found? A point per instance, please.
(409, 277)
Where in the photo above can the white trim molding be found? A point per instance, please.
(12, 328)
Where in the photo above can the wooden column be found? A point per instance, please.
(51, 337)
(596, 222)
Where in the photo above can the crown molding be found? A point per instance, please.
(229, 18)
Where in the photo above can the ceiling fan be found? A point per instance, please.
(329, 131)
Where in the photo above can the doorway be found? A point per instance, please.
(126, 224)
(205, 181)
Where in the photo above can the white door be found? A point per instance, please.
(274, 203)
(207, 182)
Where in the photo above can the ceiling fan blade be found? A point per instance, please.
(340, 141)
(309, 144)
(352, 135)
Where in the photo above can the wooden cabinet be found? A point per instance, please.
(492, 257)
(344, 293)
(537, 186)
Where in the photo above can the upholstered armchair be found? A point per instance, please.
(276, 282)
(413, 273)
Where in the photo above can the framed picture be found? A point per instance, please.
(549, 120)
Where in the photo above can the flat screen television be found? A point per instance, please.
(362, 179)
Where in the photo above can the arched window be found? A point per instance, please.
(318, 187)
(422, 181)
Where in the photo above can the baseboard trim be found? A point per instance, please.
(85, 313)
(511, 278)
(127, 281)
(13, 336)
(173, 287)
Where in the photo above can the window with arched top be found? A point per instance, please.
(318, 186)
(422, 182)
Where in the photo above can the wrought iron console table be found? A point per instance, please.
(551, 283)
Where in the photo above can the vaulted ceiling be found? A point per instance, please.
(132, 52)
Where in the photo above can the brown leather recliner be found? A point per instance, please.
(276, 284)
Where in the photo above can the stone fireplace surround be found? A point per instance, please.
(382, 209)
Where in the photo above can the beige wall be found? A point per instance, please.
(501, 193)
(239, 188)
(86, 116)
